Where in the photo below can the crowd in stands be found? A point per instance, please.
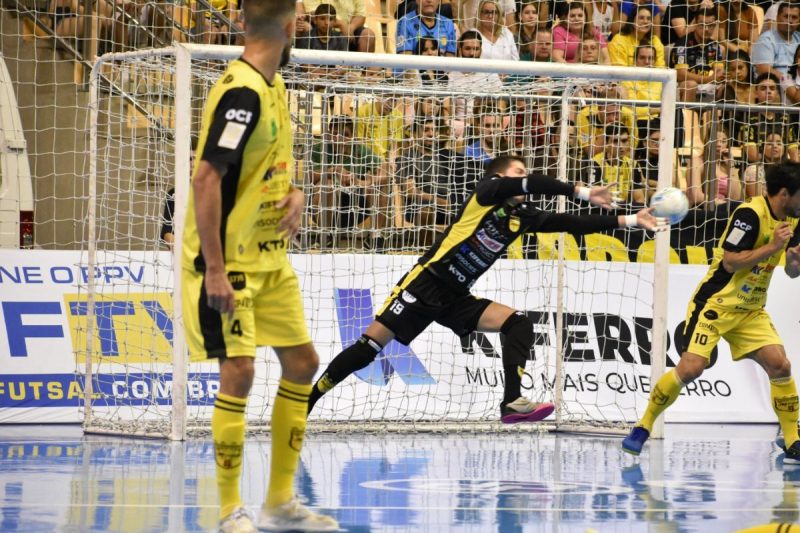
(736, 65)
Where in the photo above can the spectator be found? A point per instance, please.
(445, 9)
(644, 90)
(351, 16)
(774, 50)
(497, 40)
(348, 180)
(428, 24)
(380, 125)
(469, 46)
(589, 51)
(739, 27)
(613, 165)
(774, 152)
(430, 47)
(698, 59)
(647, 153)
(722, 172)
(541, 49)
(622, 47)
(489, 143)
(428, 177)
(792, 90)
(629, 8)
(469, 13)
(527, 28)
(569, 34)
(592, 122)
(167, 232)
(603, 16)
(739, 79)
(321, 35)
(678, 17)
(753, 133)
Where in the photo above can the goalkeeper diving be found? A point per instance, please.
(437, 288)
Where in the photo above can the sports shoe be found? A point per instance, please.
(792, 454)
(294, 516)
(635, 440)
(524, 410)
(239, 521)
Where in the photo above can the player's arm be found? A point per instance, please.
(739, 244)
(496, 189)
(233, 122)
(546, 222)
(792, 267)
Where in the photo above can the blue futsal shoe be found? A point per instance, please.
(635, 440)
(792, 456)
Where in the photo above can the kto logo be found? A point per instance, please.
(354, 313)
(137, 328)
(239, 115)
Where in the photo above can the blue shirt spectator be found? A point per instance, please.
(412, 28)
(628, 8)
(774, 50)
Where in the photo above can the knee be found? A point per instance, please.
(779, 368)
(237, 376)
(690, 369)
(305, 366)
(518, 332)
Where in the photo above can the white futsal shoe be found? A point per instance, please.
(239, 521)
(294, 516)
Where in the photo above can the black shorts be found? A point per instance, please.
(420, 298)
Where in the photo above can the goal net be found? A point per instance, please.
(386, 148)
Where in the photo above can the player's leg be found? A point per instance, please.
(755, 337)
(232, 341)
(404, 315)
(700, 335)
(517, 341)
(280, 322)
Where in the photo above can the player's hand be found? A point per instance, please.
(219, 292)
(293, 203)
(605, 196)
(781, 236)
(647, 220)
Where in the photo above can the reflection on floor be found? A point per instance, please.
(701, 478)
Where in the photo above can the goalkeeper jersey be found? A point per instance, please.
(246, 134)
(490, 220)
(751, 226)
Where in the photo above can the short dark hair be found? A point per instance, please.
(785, 175)
(643, 47)
(500, 164)
(786, 5)
(340, 123)
(324, 10)
(616, 128)
(767, 76)
(265, 19)
(470, 35)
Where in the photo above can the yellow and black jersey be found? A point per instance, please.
(751, 226)
(490, 220)
(246, 135)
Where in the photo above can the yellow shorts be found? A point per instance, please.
(269, 312)
(745, 331)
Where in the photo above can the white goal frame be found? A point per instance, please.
(185, 53)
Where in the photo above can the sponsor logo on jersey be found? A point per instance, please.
(238, 280)
(735, 236)
(711, 314)
(488, 242)
(275, 244)
(745, 288)
(513, 224)
(227, 79)
(455, 272)
(408, 297)
(231, 135)
(239, 115)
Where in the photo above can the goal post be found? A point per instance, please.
(145, 111)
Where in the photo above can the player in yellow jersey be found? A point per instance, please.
(729, 304)
(239, 289)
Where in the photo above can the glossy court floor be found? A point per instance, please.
(700, 478)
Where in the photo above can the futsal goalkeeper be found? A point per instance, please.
(438, 287)
(729, 303)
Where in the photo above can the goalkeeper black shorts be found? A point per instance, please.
(420, 298)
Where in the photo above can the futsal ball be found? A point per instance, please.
(671, 204)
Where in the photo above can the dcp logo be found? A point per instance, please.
(239, 115)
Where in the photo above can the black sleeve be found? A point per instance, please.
(169, 210)
(742, 231)
(545, 222)
(494, 190)
(235, 118)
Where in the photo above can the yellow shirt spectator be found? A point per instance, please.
(592, 122)
(380, 126)
(622, 49)
(345, 9)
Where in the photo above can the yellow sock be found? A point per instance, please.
(785, 404)
(227, 429)
(288, 429)
(772, 528)
(662, 396)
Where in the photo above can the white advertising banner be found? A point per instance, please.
(606, 334)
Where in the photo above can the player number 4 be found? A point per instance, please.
(236, 328)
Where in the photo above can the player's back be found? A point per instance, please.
(246, 129)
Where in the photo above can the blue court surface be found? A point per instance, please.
(700, 478)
